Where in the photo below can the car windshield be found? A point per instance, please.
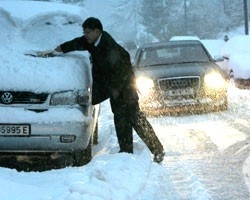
(172, 55)
(62, 26)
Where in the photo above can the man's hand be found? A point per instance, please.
(45, 54)
(58, 49)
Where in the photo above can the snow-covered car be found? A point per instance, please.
(179, 76)
(236, 52)
(45, 103)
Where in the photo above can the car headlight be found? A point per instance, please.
(214, 80)
(144, 85)
(70, 98)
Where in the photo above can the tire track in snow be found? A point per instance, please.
(187, 184)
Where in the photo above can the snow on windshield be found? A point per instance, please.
(52, 29)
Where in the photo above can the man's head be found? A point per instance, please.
(92, 28)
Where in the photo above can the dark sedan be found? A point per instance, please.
(179, 76)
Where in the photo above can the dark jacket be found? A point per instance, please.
(112, 71)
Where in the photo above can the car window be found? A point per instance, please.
(172, 54)
(52, 29)
(194, 53)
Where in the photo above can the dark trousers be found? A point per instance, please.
(128, 116)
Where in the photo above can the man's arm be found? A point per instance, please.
(77, 44)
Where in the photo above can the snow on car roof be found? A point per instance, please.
(174, 38)
(29, 9)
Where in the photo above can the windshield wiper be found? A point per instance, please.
(197, 61)
(159, 64)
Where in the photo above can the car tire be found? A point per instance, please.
(95, 136)
(83, 157)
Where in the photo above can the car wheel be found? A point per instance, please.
(95, 136)
(83, 157)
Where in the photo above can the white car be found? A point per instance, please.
(236, 52)
(45, 103)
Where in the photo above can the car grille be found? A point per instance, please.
(179, 86)
(22, 97)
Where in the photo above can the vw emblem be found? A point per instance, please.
(7, 97)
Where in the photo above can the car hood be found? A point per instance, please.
(176, 70)
(25, 73)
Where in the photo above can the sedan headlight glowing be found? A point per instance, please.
(214, 81)
(144, 85)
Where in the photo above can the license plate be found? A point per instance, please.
(180, 92)
(14, 129)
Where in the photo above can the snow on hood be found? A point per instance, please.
(69, 72)
(43, 27)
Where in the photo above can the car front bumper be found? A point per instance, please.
(51, 135)
(158, 105)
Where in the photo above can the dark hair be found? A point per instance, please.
(92, 23)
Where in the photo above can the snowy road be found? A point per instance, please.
(206, 153)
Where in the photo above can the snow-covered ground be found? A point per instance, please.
(112, 175)
(189, 141)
